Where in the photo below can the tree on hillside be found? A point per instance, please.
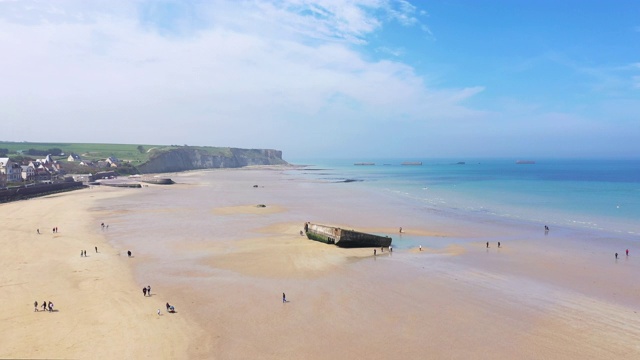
(126, 168)
(21, 159)
(52, 151)
(141, 149)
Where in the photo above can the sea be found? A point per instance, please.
(586, 195)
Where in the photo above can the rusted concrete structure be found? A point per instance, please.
(344, 238)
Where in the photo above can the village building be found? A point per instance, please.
(42, 174)
(85, 178)
(28, 173)
(11, 170)
(112, 161)
(74, 157)
(105, 175)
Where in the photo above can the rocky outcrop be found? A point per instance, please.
(188, 158)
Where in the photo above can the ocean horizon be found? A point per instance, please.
(600, 196)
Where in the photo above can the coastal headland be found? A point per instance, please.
(204, 246)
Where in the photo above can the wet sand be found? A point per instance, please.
(205, 247)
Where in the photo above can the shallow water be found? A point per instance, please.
(596, 195)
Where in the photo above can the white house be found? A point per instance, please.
(28, 172)
(74, 157)
(12, 170)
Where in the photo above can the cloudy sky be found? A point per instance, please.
(329, 78)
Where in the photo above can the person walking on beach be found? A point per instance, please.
(498, 244)
(420, 247)
(374, 252)
(400, 230)
(144, 291)
(616, 256)
(96, 249)
(44, 306)
(487, 244)
(81, 253)
(627, 252)
(50, 306)
(284, 298)
(35, 306)
(38, 231)
(149, 290)
(129, 253)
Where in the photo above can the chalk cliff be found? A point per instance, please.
(194, 158)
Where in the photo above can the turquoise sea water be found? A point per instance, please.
(584, 194)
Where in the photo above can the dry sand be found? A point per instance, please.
(99, 310)
(224, 263)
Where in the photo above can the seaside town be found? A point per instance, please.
(49, 170)
(320, 179)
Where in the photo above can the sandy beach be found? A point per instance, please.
(204, 246)
(99, 310)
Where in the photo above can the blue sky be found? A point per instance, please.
(353, 78)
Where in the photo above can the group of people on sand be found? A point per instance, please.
(45, 306)
(170, 308)
(626, 252)
(104, 226)
(382, 250)
(84, 252)
(54, 230)
(146, 290)
(499, 245)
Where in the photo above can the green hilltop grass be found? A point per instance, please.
(126, 152)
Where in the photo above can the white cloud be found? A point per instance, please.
(247, 74)
(393, 52)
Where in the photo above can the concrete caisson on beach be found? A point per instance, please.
(344, 238)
